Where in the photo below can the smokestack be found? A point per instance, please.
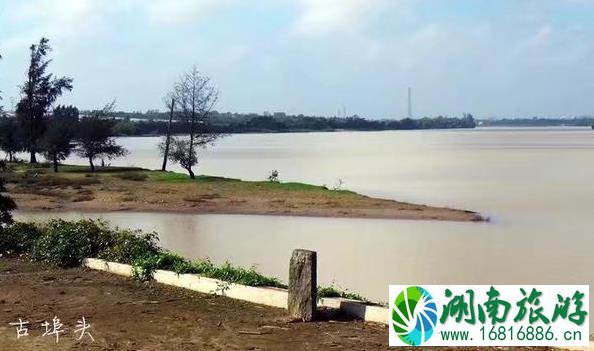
(409, 103)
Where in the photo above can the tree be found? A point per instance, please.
(7, 205)
(167, 141)
(69, 113)
(39, 92)
(178, 153)
(95, 137)
(1, 108)
(57, 141)
(195, 96)
(11, 138)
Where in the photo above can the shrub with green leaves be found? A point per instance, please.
(18, 238)
(331, 291)
(128, 246)
(144, 268)
(66, 244)
(134, 176)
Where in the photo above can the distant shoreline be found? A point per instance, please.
(585, 128)
(115, 189)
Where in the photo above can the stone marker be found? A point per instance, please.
(303, 285)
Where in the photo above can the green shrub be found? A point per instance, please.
(18, 238)
(145, 266)
(239, 275)
(135, 176)
(128, 246)
(66, 244)
(331, 291)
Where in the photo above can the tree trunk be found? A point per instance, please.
(55, 163)
(168, 138)
(91, 164)
(33, 158)
(190, 153)
(10, 157)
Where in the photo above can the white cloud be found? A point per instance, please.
(175, 12)
(330, 16)
(60, 20)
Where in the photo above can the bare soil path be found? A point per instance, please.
(129, 315)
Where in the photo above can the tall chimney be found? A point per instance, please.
(409, 103)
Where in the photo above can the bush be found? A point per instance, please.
(19, 238)
(66, 244)
(331, 291)
(129, 246)
(145, 266)
(135, 176)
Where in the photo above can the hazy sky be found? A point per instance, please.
(487, 57)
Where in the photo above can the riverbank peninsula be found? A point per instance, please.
(75, 188)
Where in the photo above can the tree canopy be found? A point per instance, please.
(194, 96)
(95, 137)
(39, 91)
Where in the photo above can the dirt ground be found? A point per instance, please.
(127, 315)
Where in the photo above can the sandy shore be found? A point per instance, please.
(116, 189)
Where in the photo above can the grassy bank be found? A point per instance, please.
(37, 187)
(66, 243)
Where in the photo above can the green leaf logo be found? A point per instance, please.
(414, 315)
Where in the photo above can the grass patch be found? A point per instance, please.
(99, 169)
(180, 177)
(146, 266)
(134, 176)
(332, 291)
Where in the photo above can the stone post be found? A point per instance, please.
(303, 285)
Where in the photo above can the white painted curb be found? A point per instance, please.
(264, 296)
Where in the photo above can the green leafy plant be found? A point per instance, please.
(18, 238)
(66, 244)
(128, 246)
(134, 176)
(332, 291)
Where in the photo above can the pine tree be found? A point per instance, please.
(39, 92)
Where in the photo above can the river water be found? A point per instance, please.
(537, 185)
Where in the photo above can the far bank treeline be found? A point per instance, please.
(155, 123)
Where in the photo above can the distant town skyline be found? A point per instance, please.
(508, 58)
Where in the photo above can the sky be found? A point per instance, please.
(491, 58)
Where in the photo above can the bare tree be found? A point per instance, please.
(195, 96)
(170, 103)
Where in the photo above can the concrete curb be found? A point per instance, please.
(274, 297)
